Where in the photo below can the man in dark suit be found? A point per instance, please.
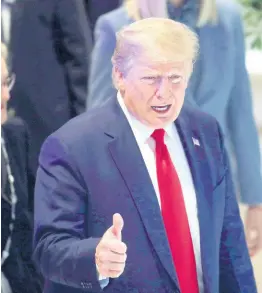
(50, 44)
(19, 274)
(96, 8)
(136, 195)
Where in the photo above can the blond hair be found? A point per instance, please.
(154, 35)
(139, 9)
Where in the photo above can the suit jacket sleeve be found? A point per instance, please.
(236, 272)
(100, 86)
(61, 250)
(76, 46)
(242, 126)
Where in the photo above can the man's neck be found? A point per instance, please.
(177, 3)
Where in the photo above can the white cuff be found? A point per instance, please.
(100, 277)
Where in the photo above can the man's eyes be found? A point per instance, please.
(175, 78)
(149, 78)
(172, 78)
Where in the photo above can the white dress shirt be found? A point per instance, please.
(146, 145)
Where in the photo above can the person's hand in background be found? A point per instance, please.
(254, 229)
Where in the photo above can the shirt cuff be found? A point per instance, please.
(100, 277)
(103, 281)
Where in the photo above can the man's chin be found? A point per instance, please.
(3, 117)
(161, 122)
(164, 120)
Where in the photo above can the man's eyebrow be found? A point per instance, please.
(174, 73)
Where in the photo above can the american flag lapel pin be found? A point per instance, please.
(196, 141)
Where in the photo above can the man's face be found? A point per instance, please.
(4, 91)
(154, 90)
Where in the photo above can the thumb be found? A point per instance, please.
(118, 224)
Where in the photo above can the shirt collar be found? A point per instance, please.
(142, 131)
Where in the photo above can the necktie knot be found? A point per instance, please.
(158, 136)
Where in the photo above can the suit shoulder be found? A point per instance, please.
(83, 128)
(115, 19)
(199, 117)
(16, 136)
(16, 127)
(204, 124)
(15, 122)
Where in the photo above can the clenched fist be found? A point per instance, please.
(111, 251)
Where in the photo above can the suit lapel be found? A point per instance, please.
(3, 171)
(128, 159)
(194, 147)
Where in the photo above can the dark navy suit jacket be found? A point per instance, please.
(50, 47)
(19, 267)
(96, 8)
(92, 168)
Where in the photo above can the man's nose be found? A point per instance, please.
(164, 88)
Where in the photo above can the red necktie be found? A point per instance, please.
(175, 217)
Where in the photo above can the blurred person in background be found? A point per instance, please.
(19, 274)
(50, 43)
(219, 84)
(96, 8)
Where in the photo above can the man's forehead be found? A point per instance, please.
(158, 65)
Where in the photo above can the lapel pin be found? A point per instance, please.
(196, 141)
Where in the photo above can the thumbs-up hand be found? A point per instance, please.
(111, 251)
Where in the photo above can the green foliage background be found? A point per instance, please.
(252, 14)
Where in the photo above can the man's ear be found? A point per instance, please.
(188, 73)
(190, 68)
(118, 78)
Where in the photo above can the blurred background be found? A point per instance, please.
(252, 14)
(51, 49)
(254, 65)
